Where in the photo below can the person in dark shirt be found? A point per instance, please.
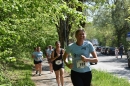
(121, 49)
(58, 63)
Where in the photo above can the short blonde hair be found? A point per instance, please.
(77, 31)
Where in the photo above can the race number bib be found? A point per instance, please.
(81, 64)
(58, 62)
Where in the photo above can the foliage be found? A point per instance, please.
(128, 19)
(111, 17)
(22, 25)
(17, 74)
(119, 14)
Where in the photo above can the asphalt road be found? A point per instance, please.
(47, 78)
(113, 65)
(109, 64)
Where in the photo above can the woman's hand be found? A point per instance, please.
(83, 58)
(70, 66)
(58, 55)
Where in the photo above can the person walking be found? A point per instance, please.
(49, 51)
(80, 67)
(121, 49)
(38, 58)
(58, 63)
(116, 52)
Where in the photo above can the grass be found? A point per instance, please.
(17, 74)
(101, 78)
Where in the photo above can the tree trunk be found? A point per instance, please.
(64, 31)
(64, 28)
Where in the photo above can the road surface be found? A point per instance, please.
(109, 64)
(113, 65)
(47, 78)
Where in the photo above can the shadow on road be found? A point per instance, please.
(116, 60)
(45, 68)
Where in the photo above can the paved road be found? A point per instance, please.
(47, 79)
(109, 64)
(113, 65)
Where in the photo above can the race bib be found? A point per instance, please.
(81, 64)
(58, 62)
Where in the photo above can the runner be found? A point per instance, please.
(80, 67)
(38, 58)
(58, 65)
(49, 51)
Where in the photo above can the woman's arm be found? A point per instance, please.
(52, 56)
(33, 55)
(94, 59)
(64, 58)
(63, 52)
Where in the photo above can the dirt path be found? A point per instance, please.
(47, 79)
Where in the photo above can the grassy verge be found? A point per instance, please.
(17, 74)
(101, 78)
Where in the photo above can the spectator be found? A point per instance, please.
(121, 49)
(116, 52)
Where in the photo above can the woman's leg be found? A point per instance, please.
(87, 77)
(76, 78)
(37, 67)
(62, 76)
(57, 74)
(51, 68)
(40, 68)
(116, 55)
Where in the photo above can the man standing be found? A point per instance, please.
(121, 49)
